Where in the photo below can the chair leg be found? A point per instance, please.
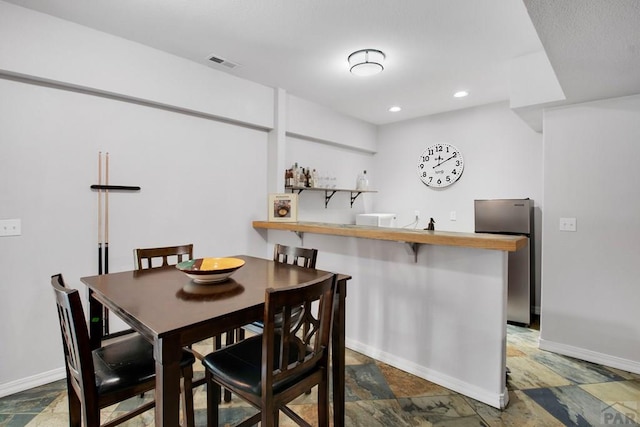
(217, 345)
(323, 400)
(187, 396)
(213, 399)
(75, 407)
(229, 341)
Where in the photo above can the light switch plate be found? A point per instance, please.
(10, 227)
(568, 224)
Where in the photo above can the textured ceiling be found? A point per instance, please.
(593, 45)
(433, 47)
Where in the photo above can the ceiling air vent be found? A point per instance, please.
(223, 62)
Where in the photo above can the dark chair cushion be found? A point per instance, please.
(240, 365)
(127, 363)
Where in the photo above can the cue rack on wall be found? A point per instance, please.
(103, 233)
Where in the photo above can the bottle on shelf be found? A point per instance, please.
(362, 183)
(307, 177)
(288, 180)
(296, 175)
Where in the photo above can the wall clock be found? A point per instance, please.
(440, 165)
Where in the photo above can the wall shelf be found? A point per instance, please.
(329, 192)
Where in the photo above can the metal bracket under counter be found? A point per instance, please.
(329, 192)
(413, 248)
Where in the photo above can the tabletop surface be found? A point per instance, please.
(166, 300)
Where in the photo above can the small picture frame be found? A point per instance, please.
(283, 207)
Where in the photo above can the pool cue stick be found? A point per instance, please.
(106, 218)
(106, 237)
(99, 213)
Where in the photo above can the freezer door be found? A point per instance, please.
(519, 296)
(503, 216)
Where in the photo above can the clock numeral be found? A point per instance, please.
(431, 152)
(425, 158)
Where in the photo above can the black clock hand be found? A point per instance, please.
(444, 161)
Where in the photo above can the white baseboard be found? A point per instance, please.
(591, 356)
(497, 400)
(31, 382)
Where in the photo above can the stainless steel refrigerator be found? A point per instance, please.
(515, 217)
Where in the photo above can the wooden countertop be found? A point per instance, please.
(497, 242)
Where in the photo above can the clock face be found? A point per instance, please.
(440, 165)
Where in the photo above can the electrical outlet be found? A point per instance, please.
(568, 224)
(452, 216)
(10, 227)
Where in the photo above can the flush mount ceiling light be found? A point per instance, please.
(366, 62)
(395, 109)
(461, 94)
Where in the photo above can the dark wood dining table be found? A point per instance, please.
(171, 311)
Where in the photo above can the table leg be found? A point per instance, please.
(167, 353)
(95, 322)
(338, 355)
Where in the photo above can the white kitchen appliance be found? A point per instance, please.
(377, 219)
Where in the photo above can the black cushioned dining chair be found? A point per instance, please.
(272, 369)
(111, 374)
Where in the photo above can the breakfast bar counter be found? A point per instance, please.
(444, 238)
(439, 314)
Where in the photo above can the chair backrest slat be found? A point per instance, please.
(164, 256)
(302, 257)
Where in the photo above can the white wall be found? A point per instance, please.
(202, 180)
(590, 294)
(308, 119)
(502, 155)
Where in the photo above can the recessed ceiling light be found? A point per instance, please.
(395, 109)
(461, 94)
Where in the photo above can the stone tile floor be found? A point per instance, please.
(545, 389)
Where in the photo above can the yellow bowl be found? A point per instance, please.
(210, 270)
